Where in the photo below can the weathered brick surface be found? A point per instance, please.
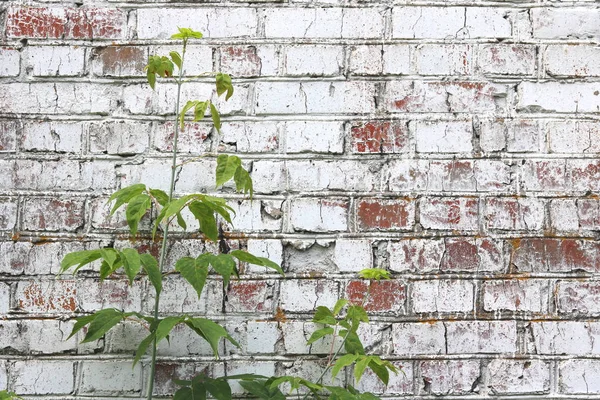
(454, 144)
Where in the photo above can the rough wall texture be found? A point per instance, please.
(454, 143)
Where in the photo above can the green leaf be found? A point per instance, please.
(224, 265)
(262, 390)
(181, 221)
(356, 315)
(79, 258)
(124, 195)
(339, 305)
(244, 256)
(211, 332)
(323, 315)
(131, 263)
(218, 388)
(151, 79)
(103, 321)
(186, 33)
(151, 267)
(190, 393)
(176, 58)
(361, 365)
(6, 395)
(223, 82)
(172, 208)
(381, 372)
(318, 334)
(206, 218)
(160, 196)
(166, 325)
(220, 208)
(194, 271)
(374, 273)
(352, 344)
(200, 110)
(243, 181)
(215, 117)
(81, 322)
(136, 209)
(142, 348)
(226, 167)
(185, 109)
(342, 362)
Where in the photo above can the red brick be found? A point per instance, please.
(585, 175)
(452, 175)
(383, 296)
(47, 296)
(588, 213)
(554, 255)
(379, 137)
(240, 61)
(65, 23)
(450, 213)
(250, 296)
(119, 60)
(544, 175)
(385, 214)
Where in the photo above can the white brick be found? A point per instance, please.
(8, 214)
(442, 296)
(305, 295)
(519, 377)
(565, 23)
(312, 60)
(60, 137)
(268, 176)
(559, 96)
(303, 22)
(444, 137)
(297, 333)
(314, 137)
(3, 376)
(524, 296)
(119, 137)
(366, 60)
(256, 215)
(513, 59)
(398, 384)
(362, 23)
(262, 337)
(56, 60)
(42, 377)
(251, 137)
(110, 377)
(318, 175)
(435, 59)
(564, 215)
(573, 136)
(319, 215)
(9, 62)
(579, 377)
(353, 255)
(481, 337)
(68, 175)
(450, 377)
(572, 60)
(269, 248)
(212, 22)
(412, 338)
(4, 298)
(396, 59)
(567, 337)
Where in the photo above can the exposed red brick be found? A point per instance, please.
(384, 296)
(588, 211)
(379, 137)
(585, 175)
(555, 255)
(65, 23)
(385, 214)
(248, 296)
(461, 254)
(120, 60)
(450, 213)
(59, 296)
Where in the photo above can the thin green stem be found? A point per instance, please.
(163, 247)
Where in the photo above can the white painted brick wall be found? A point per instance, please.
(454, 144)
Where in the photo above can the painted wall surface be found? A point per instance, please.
(454, 143)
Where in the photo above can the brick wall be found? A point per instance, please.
(453, 143)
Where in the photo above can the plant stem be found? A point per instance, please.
(163, 247)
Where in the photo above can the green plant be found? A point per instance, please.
(6, 395)
(139, 200)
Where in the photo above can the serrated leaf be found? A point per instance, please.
(381, 371)
(323, 315)
(374, 273)
(104, 320)
(131, 263)
(216, 117)
(206, 218)
(111, 262)
(151, 267)
(211, 332)
(341, 303)
(172, 208)
(176, 58)
(224, 265)
(136, 209)
(219, 208)
(218, 388)
(143, 347)
(79, 259)
(226, 167)
(223, 82)
(320, 333)
(151, 79)
(80, 323)
(194, 271)
(243, 181)
(186, 33)
(160, 196)
(356, 315)
(352, 344)
(342, 362)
